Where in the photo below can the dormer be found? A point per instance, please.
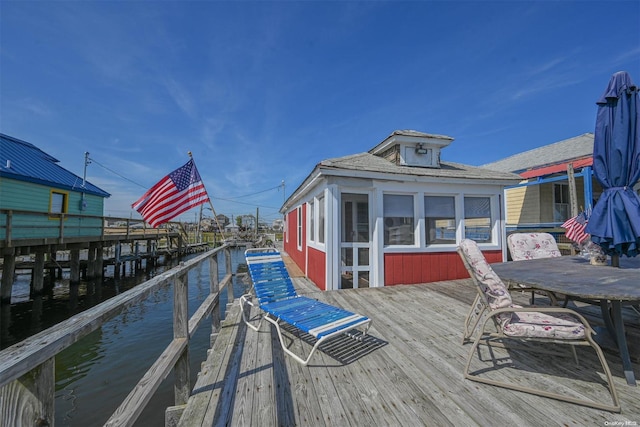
(412, 148)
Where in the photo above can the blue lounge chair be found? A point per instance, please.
(279, 301)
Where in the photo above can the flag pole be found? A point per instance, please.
(215, 215)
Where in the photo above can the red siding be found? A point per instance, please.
(317, 268)
(428, 267)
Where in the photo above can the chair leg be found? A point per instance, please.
(304, 362)
(360, 337)
(473, 318)
(606, 371)
(553, 300)
(614, 407)
(244, 299)
(575, 355)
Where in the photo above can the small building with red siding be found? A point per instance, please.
(394, 215)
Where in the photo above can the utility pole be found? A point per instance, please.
(284, 198)
(86, 163)
(83, 202)
(257, 211)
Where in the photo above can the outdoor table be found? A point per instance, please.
(610, 287)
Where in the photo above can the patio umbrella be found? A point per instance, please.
(615, 220)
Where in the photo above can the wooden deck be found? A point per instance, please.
(408, 372)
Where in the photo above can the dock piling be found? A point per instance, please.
(8, 273)
(38, 272)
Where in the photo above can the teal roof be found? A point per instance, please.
(23, 161)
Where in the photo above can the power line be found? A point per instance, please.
(244, 203)
(115, 173)
(232, 199)
(253, 194)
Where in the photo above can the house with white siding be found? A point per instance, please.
(394, 215)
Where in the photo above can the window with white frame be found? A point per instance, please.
(320, 218)
(477, 219)
(443, 215)
(299, 226)
(440, 220)
(312, 215)
(316, 219)
(58, 202)
(560, 202)
(399, 223)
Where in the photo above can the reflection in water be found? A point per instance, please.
(96, 374)
(73, 363)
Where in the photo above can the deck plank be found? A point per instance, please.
(203, 401)
(248, 369)
(407, 372)
(264, 401)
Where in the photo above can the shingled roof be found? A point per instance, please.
(371, 163)
(374, 165)
(560, 152)
(23, 161)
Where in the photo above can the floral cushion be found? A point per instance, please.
(526, 324)
(532, 245)
(542, 325)
(495, 290)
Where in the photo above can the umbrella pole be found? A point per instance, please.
(615, 260)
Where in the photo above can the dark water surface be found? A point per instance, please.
(96, 374)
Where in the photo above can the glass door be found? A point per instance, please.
(355, 241)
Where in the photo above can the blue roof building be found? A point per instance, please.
(23, 161)
(42, 202)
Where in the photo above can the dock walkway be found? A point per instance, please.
(408, 372)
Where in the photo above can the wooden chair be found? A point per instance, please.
(538, 325)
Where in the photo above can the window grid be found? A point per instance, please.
(443, 215)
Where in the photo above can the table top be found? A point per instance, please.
(575, 276)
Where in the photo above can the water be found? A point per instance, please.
(96, 374)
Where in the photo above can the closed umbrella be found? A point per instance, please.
(615, 221)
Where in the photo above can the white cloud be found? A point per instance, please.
(181, 97)
(35, 106)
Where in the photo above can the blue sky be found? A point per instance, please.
(260, 92)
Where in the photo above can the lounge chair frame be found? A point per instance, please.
(279, 302)
(536, 245)
(499, 336)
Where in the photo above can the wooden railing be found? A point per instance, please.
(24, 228)
(30, 228)
(27, 377)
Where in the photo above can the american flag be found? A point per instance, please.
(174, 194)
(575, 228)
